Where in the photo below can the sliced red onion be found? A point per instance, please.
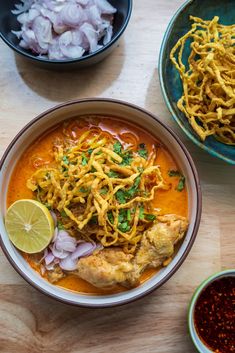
(83, 2)
(108, 35)
(18, 34)
(72, 15)
(23, 18)
(54, 51)
(54, 5)
(68, 264)
(94, 16)
(59, 27)
(53, 215)
(64, 242)
(48, 14)
(30, 41)
(23, 44)
(25, 6)
(79, 39)
(99, 247)
(42, 270)
(91, 35)
(44, 255)
(49, 258)
(60, 254)
(55, 235)
(67, 48)
(43, 31)
(50, 267)
(105, 7)
(83, 249)
(45, 22)
(32, 14)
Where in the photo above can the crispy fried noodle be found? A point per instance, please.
(101, 188)
(208, 99)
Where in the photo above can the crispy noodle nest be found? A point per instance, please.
(208, 79)
(79, 185)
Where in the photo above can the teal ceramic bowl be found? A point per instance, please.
(169, 77)
(192, 330)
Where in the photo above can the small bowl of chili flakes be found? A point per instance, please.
(211, 315)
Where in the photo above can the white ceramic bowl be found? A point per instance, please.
(192, 330)
(127, 112)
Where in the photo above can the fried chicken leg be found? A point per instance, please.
(112, 266)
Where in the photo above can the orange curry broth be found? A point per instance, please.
(40, 154)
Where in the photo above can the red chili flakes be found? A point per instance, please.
(214, 315)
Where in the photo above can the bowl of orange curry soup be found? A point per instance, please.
(100, 202)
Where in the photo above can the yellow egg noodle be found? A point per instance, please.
(208, 99)
(102, 190)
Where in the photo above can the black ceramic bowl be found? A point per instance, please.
(8, 22)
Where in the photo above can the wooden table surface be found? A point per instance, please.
(31, 322)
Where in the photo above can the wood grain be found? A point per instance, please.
(31, 322)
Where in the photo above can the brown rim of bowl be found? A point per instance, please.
(198, 197)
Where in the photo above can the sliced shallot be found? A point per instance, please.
(64, 29)
(68, 264)
(49, 258)
(64, 242)
(53, 215)
(83, 249)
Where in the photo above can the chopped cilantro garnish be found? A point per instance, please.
(60, 225)
(64, 169)
(181, 184)
(63, 214)
(132, 191)
(84, 159)
(150, 217)
(142, 152)
(176, 173)
(83, 190)
(128, 214)
(120, 196)
(126, 158)
(93, 220)
(122, 215)
(103, 191)
(110, 217)
(90, 151)
(65, 160)
(126, 155)
(141, 214)
(113, 174)
(140, 169)
(124, 227)
(117, 147)
(145, 193)
(126, 194)
(93, 170)
(48, 206)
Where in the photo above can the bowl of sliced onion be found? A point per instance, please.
(64, 33)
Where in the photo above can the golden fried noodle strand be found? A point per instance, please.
(208, 79)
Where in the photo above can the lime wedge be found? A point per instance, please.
(30, 225)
